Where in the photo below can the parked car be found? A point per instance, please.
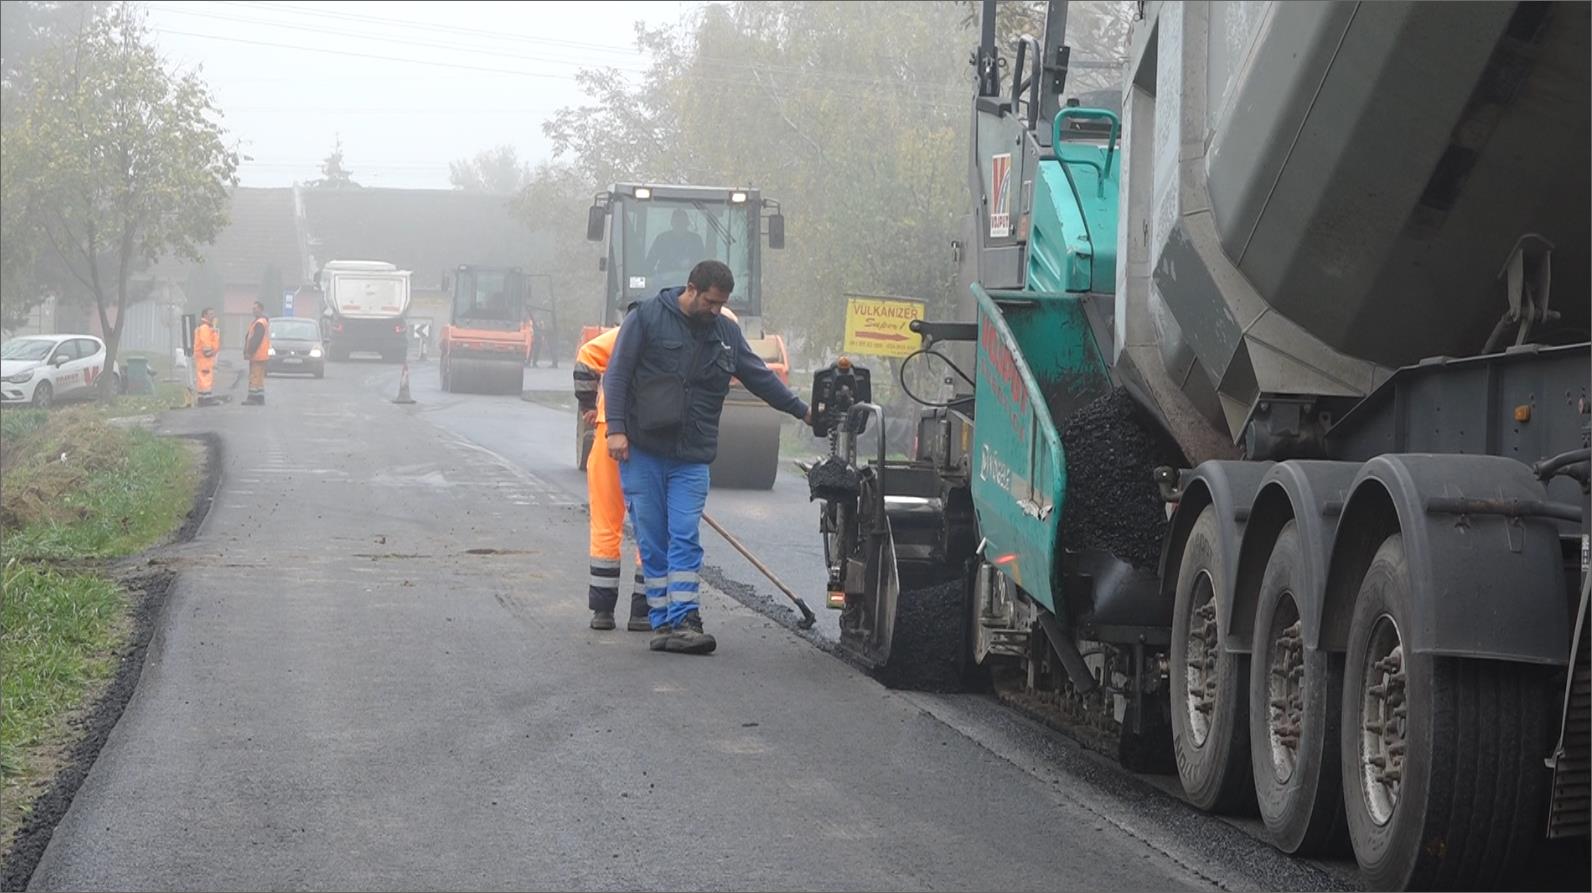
(41, 369)
(296, 347)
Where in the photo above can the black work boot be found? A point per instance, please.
(639, 621)
(602, 620)
(686, 637)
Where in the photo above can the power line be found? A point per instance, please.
(720, 64)
(533, 74)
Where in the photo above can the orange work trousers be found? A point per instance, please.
(607, 507)
(204, 374)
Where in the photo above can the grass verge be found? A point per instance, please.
(58, 646)
(77, 490)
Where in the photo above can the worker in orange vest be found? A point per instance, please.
(206, 346)
(607, 503)
(257, 350)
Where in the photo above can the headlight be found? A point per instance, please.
(20, 377)
(270, 351)
(315, 352)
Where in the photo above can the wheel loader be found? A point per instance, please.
(1279, 479)
(484, 347)
(655, 234)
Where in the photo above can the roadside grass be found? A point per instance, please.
(59, 634)
(76, 489)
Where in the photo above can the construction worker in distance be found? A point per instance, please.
(665, 389)
(206, 345)
(605, 500)
(257, 350)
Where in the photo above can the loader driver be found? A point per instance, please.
(676, 248)
(664, 390)
(607, 503)
(206, 344)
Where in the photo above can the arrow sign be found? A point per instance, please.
(881, 326)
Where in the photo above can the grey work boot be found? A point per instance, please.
(686, 637)
(602, 620)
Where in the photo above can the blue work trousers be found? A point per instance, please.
(665, 498)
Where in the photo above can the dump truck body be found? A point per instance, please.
(364, 308)
(1291, 471)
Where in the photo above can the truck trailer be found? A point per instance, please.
(1272, 460)
(364, 308)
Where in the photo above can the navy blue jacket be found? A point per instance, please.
(662, 352)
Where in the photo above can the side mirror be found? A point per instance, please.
(776, 231)
(602, 264)
(596, 216)
(58, 361)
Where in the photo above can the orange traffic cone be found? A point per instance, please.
(403, 386)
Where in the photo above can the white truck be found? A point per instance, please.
(364, 306)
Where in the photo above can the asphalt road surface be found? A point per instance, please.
(374, 672)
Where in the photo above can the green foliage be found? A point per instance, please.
(498, 171)
(77, 487)
(116, 161)
(853, 115)
(58, 639)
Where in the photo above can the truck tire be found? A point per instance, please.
(1294, 698)
(444, 375)
(1209, 688)
(1466, 808)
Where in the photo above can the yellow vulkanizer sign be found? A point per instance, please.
(880, 326)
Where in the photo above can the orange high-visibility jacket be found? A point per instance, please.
(206, 342)
(263, 351)
(592, 358)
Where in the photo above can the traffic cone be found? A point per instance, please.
(403, 386)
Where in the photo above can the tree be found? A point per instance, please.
(333, 174)
(117, 162)
(28, 276)
(498, 171)
(553, 206)
(853, 115)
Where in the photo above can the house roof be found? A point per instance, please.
(426, 231)
(260, 233)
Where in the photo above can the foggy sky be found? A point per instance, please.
(292, 76)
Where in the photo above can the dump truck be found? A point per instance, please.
(655, 234)
(364, 307)
(1279, 476)
(489, 336)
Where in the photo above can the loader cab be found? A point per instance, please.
(489, 297)
(656, 234)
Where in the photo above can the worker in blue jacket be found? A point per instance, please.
(664, 390)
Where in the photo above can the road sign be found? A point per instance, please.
(287, 302)
(879, 326)
(422, 330)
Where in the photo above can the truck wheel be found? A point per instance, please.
(1210, 728)
(1294, 695)
(1444, 784)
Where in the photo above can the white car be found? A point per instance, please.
(41, 369)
